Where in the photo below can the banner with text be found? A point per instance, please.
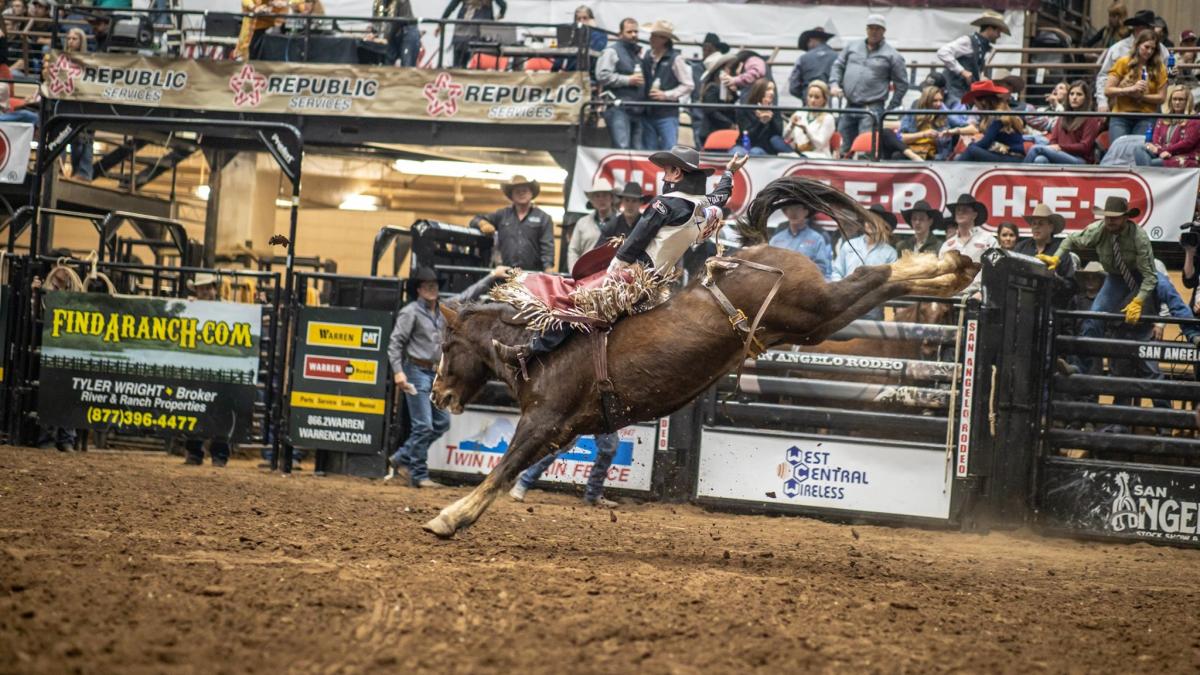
(156, 365)
(477, 439)
(16, 141)
(1165, 197)
(821, 473)
(339, 379)
(317, 89)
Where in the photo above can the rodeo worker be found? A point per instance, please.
(206, 287)
(414, 350)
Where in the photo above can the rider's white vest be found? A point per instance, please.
(672, 241)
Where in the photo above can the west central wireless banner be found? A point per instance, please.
(317, 89)
(153, 365)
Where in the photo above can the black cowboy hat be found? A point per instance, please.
(681, 157)
(923, 207)
(885, 215)
(419, 276)
(715, 40)
(981, 212)
(813, 33)
(633, 190)
(1142, 17)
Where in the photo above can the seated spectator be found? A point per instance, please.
(748, 68)
(1056, 100)
(932, 137)
(763, 127)
(798, 236)
(1003, 137)
(255, 27)
(1176, 142)
(10, 114)
(1137, 85)
(597, 40)
(1036, 126)
(809, 133)
(1073, 139)
(872, 247)
(1007, 235)
(1184, 75)
(707, 120)
(470, 10)
(922, 218)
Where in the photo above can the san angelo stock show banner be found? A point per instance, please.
(152, 365)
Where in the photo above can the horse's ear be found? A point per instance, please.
(450, 315)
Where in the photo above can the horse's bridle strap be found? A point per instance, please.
(737, 318)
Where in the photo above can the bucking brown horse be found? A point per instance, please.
(660, 360)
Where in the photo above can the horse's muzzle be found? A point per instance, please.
(447, 401)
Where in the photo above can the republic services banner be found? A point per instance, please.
(1166, 197)
(317, 89)
(155, 365)
(16, 140)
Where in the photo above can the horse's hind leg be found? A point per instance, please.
(533, 438)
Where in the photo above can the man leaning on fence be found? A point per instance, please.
(966, 56)
(863, 73)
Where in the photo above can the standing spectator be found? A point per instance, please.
(798, 236)
(863, 73)
(814, 64)
(524, 233)
(966, 56)
(670, 80)
(1114, 31)
(711, 50)
(922, 218)
(632, 199)
(968, 237)
(587, 229)
(762, 126)
(1176, 142)
(597, 38)
(1073, 139)
(82, 167)
(403, 37)
(470, 10)
(1163, 32)
(1003, 137)
(931, 136)
(872, 247)
(1007, 235)
(1184, 75)
(1137, 84)
(748, 67)
(810, 132)
(618, 71)
(206, 286)
(254, 27)
(1143, 20)
(707, 120)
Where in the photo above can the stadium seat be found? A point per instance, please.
(1028, 146)
(1103, 141)
(835, 144)
(720, 140)
(488, 62)
(538, 65)
(862, 143)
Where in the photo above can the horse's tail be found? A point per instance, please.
(813, 195)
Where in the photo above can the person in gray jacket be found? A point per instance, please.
(814, 64)
(862, 74)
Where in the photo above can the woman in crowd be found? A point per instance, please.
(1115, 31)
(1176, 141)
(872, 247)
(930, 136)
(807, 132)
(1003, 137)
(1007, 235)
(748, 69)
(1073, 139)
(1136, 85)
(712, 91)
(763, 126)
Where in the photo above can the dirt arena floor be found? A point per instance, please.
(132, 563)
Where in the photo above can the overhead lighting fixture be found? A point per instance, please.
(359, 202)
(202, 192)
(477, 170)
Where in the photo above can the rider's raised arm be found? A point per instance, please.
(662, 211)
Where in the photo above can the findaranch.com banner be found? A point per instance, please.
(156, 365)
(1166, 197)
(317, 89)
(339, 379)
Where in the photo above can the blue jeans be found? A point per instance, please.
(1113, 296)
(81, 157)
(1128, 126)
(218, 449)
(427, 424)
(606, 450)
(624, 127)
(1166, 294)
(777, 146)
(404, 44)
(660, 133)
(974, 153)
(851, 126)
(26, 116)
(1041, 154)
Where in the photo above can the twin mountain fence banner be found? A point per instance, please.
(317, 89)
(152, 365)
(1166, 197)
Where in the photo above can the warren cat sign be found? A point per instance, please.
(1165, 197)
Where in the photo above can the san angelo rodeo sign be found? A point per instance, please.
(318, 89)
(1164, 196)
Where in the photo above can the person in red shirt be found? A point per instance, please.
(1073, 139)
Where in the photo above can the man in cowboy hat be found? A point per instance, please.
(863, 73)
(968, 236)
(966, 56)
(629, 212)
(669, 79)
(414, 350)
(524, 233)
(922, 218)
(1044, 225)
(587, 229)
(797, 235)
(205, 286)
(814, 64)
(1139, 21)
(621, 80)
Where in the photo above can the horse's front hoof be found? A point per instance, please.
(440, 526)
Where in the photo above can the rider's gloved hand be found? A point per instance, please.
(1050, 260)
(1133, 311)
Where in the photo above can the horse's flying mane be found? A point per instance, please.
(813, 195)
